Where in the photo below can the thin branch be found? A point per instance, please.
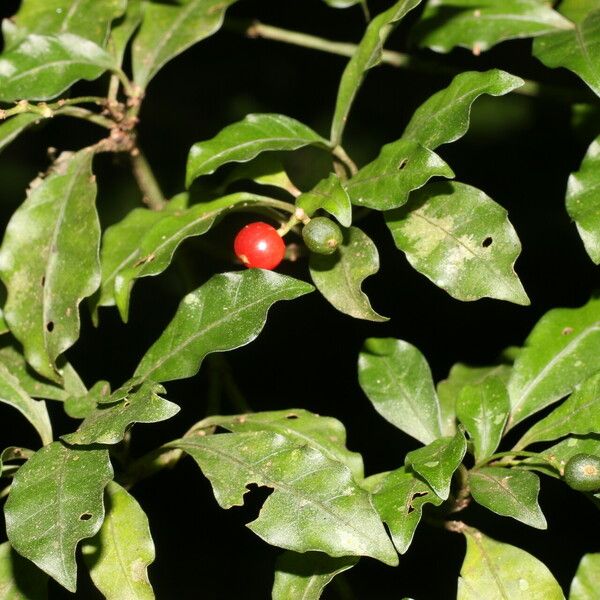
(86, 115)
(153, 195)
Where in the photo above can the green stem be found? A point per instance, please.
(341, 154)
(513, 453)
(86, 115)
(147, 183)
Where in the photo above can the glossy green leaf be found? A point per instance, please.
(330, 196)
(82, 406)
(246, 139)
(367, 55)
(445, 116)
(169, 29)
(13, 127)
(497, 571)
(577, 10)
(89, 19)
(34, 411)
(437, 462)
(339, 276)
(480, 24)
(483, 409)
(396, 378)
(586, 583)
(19, 579)
(41, 67)
(49, 261)
(306, 575)
(326, 434)
(118, 556)
(265, 169)
(508, 492)
(577, 50)
(123, 29)
(461, 240)
(109, 422)
(315, 504)
(561, 352)
(400, 168)
(399, 498)
(56, 501)
(227, 312)
(583, 200)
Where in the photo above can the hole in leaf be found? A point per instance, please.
(567, 331)
(85, 516)
(50, 325)
(487, 242)
(291, 416)
(402, 164)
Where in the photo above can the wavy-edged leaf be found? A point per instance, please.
(56, 501)
(586, 583)
(330, 196)
(497, 571)
(445, 116)
(577, 50)
(49, 262)
(578, 415)
(367, 55)
(437, 461)
(41, 67)
(118, 556)
(306, 575)
(246, 139)
(169, 29)
(339, 276)
(109, 422)
(397, 380)
(561, 352)
(82, 406)
(34, 411)
(19, 579)
(399, 498)
(508, 492)
(315, 504)
(461, 240)
(400, 168)
(583, 200)
(483, 409)
(227, 312)
(15, 126)
(123, 29)
(326, 434)
(480, 24)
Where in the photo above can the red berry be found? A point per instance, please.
(259, 246)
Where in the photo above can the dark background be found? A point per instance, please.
(519, 150)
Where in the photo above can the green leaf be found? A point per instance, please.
(367, 55)
(577, 10)
(34, 411)
(339, 276)
(119, 554)
(497, 571)
(13, 127)
(227, 312)
(399, 498)
(445, 117)
(579, 414)
(483, 409)
(330, 196)
(508, 492)
(88, 19)
(19, 579)
(169, 29)
(437, 462)
(461, 240)
(315, 504)
(41, 67)
(561, 352)
(583, 200)
(123, 29)
(56, 501)
(480, 24)
(306, 575)
(14, 453)
(265, 169)
(246, 139)
(326, 434)
(49, 261)
(577, 50)
(343, 3)
(396, 378)
(400, 168)
(82, 406)
(586, 583)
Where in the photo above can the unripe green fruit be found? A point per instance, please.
(322, 235)
(582, 473)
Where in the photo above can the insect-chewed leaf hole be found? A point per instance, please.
(487, 242)
(86, 516)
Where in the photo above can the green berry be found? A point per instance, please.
(322, 235)
(582, 473)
